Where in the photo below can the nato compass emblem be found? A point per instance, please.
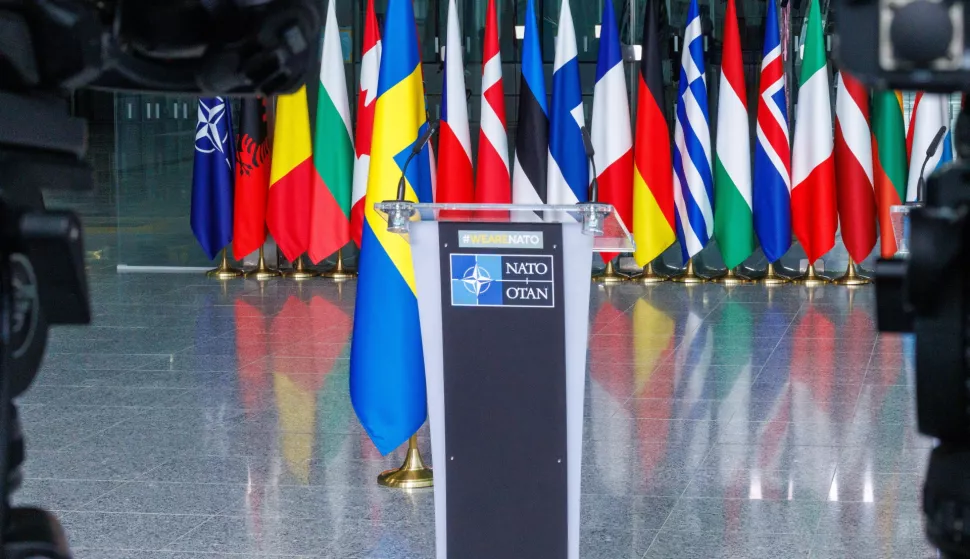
(477, 280)
(212, 130)
(502, 280)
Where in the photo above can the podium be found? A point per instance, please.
(503, 297)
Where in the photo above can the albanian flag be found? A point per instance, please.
(252, 179)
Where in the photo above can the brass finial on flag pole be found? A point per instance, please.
(772, 278)
(300, 271)
(689, 276)
(731, 278)
(339, 273)
(609, 275)
(811, 279)
(262, 272)
(224, 271)
(413, 474)
(852, 277)
(649, 276)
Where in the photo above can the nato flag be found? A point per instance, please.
(212, 176)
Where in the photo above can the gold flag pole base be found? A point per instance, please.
(262, 271)
(731, 278)
(648, 276)
(300, 271)
(852, 277)
(413, 474)
(689, 277)
(771, 278)
(609, 275)
(339, 273)
(811, 279)
(224, 271)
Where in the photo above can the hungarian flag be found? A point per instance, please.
(733, 225)
(252, 179)
(653, 179)
(291, 176)
(814, 214)
(888, 163)
(492, 185)
(454, 140)
(611, 134)
(334, 156)
(370, 64)
(853, 168)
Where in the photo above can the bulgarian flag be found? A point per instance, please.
(814, 213)
(334, 156)
(370, 64)
(733, 224)
(888, 163)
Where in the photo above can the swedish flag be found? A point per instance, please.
(386, 362)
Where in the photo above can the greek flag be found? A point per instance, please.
(693, 181)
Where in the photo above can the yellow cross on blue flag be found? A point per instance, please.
(386, 361)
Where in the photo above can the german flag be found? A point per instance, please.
(653, 181)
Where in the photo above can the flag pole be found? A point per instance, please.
(609, 275)
(811, 278)
(300, 271)
(262, 271)
(851, 277)
(413, 474)
(731, 278)
(649, 276)
(689, 276)
(339, 273)
(772, 278)
(224, 271)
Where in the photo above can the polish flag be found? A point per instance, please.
(369, 69)
(454, 140)
(492, 185)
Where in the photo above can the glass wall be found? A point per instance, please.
(151, 137)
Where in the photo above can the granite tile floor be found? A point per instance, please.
(202, 420)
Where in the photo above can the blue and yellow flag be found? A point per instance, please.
(386, 362)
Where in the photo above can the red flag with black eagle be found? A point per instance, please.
(252, 179)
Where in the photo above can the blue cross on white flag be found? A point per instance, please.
(693, 179)
(212, 176)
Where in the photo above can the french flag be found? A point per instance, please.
(454, 141)
(611, 133)
(492, 185)
(568, 175)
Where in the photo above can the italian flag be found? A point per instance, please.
(733, 225)
(334, 155)
(888, 163)
(814, 213)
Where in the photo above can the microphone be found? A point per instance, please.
(415, 150)
(930, 152)
(594, 187)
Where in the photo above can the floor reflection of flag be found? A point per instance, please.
(732, 338)
(653, 342)
(813, 356)
(295, 382)
(772, 421)
(332, 358)
(611, 372)
(252, 338)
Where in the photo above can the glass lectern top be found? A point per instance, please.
(600, 220)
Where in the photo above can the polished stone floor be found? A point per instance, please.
(196, 420)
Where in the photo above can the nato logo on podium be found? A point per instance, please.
(502, 280)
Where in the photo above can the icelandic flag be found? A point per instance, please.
(693, 179)
(771, 190)
(387, 386)
(532, 139)
(212, 176)
(568, 178)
